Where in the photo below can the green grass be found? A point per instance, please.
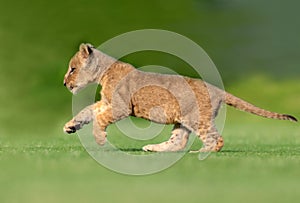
(259, 163)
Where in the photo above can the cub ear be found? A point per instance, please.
(86, 50)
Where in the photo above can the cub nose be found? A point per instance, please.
(65, 84)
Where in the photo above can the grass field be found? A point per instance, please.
(255, 45)
(259, 163)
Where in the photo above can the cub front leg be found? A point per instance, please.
(100, 113)
(102, 118)
(85, 116)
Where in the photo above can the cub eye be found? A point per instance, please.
(72, 70)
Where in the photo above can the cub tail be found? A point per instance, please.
(245, 106)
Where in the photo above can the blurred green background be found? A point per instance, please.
(255, 46)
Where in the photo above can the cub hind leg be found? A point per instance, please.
(177, 141)
(211, 139)
(207, 131)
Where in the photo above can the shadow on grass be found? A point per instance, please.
(131, 149)
(289, 150)
(268, 151)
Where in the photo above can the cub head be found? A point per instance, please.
(82, 69)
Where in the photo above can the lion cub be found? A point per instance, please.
(190, 104)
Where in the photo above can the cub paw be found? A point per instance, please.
(150, 148)
(100, 137)
(70, 127)
(163, 147)
(100, 141)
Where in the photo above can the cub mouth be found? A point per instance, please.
(75, 89)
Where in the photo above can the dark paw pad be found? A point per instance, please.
(70, 129)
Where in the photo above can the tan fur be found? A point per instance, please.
(190, 104)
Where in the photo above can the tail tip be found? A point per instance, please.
(291, 118)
